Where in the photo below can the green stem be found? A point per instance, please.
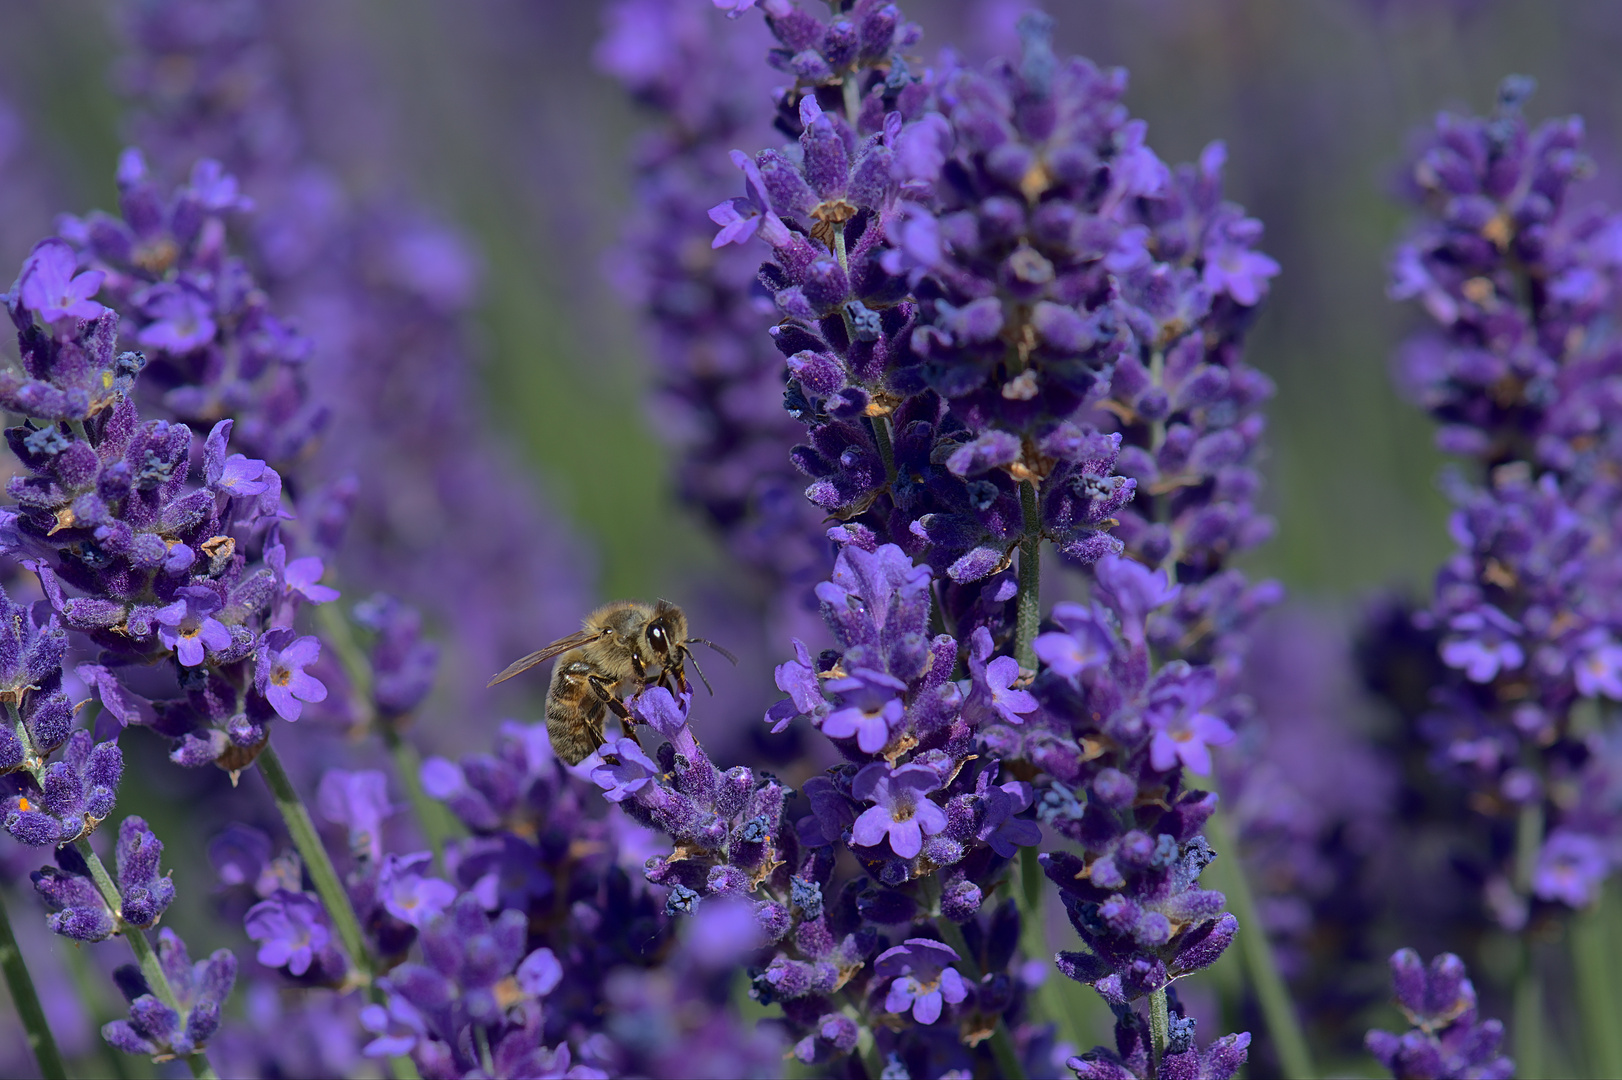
(322, 873)
(145, 956)
(1528, 842)
(1529, 1052)
(1073, 1007)
(1596, 986)
(92, 992)
(1277, 1009)
(404, 1068)
(1030, 889)
(26, 1000)
(139, 945)
(1002, 1044)
(1029, 612)
(431, 816)
(336, 630)
(1159, 1029)
(867, 1047)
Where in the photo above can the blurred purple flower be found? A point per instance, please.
(49, 287)
(290, 928)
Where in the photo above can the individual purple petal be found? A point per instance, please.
(50, 289)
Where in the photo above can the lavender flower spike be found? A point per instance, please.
(1448, 1041)
(200, 990)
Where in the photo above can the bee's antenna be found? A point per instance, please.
(711, 644)
(694, 661)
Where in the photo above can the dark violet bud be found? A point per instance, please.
(146, 892)
(887, 907)
(960, 901)
(402, 663)
(79, 912)
(1037, 62)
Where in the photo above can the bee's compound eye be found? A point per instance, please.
(657, 634)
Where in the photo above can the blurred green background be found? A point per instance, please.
(496, 119)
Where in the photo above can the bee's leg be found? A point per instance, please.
(605, 690)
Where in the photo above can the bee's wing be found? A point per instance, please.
(561, 645)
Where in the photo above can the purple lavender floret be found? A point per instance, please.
(292, 931)
(280, 675)
(156, 1029)
(69, 797)
(1521, 372)
(900, 814)
(78, 910)
(188, 626)
(1448, 1041)
(924, 980)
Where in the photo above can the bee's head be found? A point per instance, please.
(666, 633)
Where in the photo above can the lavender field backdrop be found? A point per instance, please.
(1164, 507)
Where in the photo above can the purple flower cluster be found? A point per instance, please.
(101, 510)
(929, 824)
(382, 291)
(1525, 378)
(549, 862)
(1448, 1040)
(975, 271)
(151, 555)
(917, 320)
(1113, 728)
(214, 346)
(719, 380)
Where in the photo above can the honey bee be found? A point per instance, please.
(621, 649)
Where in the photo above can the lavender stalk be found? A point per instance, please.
(26, 1001)
(1272, 994)
(334, 897)
(1594, 949)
